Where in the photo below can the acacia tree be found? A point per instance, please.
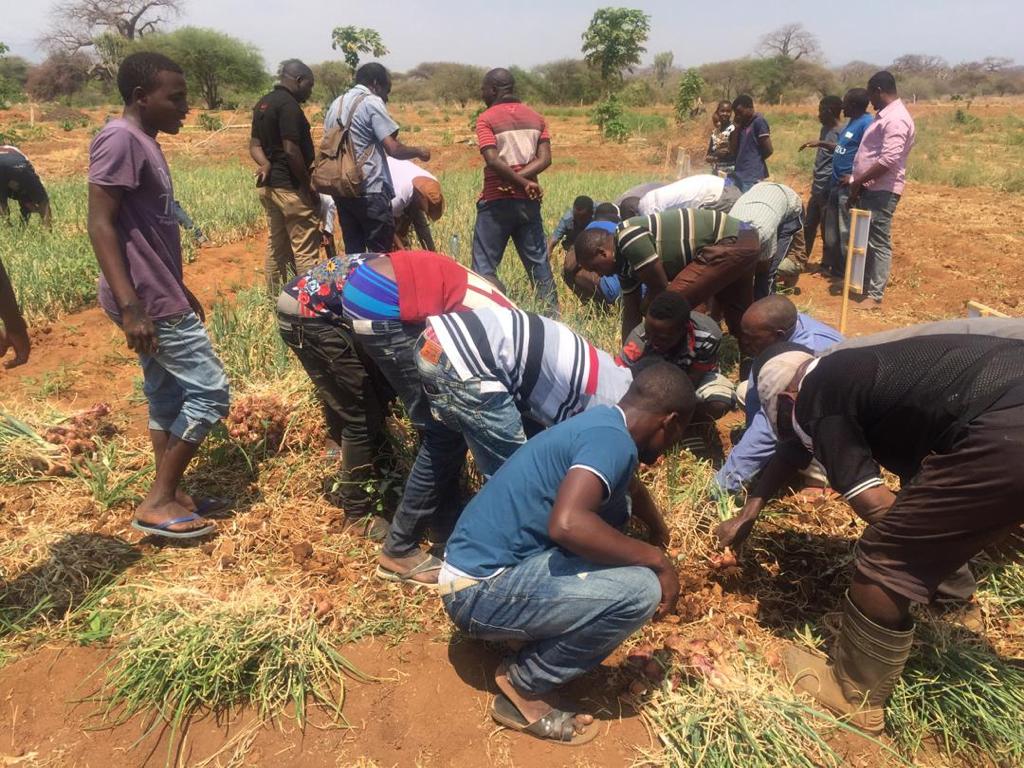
(332, 79)
(353, 41)
(212, 61)
(76, 24)
(60, 75)
(790, 41)
(662, 66)
(614, 42)
(450, 81)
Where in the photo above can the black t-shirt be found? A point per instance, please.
(893, 404)
(278, 116)
(19, 181)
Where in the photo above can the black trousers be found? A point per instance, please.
(367, 223)
(355, 398)
(816, 205)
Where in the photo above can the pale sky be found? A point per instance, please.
(529, 32)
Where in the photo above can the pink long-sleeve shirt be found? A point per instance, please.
(888, 141)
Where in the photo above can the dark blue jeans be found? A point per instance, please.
(499, 220)
(570, 613)
(431, 495)
(367, 223)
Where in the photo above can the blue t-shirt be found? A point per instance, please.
(750, 166)
(507, 521)
(846, 147)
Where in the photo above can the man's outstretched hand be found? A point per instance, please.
(734, 531)
(19, 342)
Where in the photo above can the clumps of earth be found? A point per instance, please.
(258, 419)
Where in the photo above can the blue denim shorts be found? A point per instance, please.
(184, 380)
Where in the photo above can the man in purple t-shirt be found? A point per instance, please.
(135, 236)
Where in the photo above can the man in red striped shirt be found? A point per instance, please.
(516, 147)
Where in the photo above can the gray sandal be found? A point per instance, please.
(430, 563)
(557, 725)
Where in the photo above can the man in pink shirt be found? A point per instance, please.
(879, 174)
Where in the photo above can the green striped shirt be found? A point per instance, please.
(675, 237)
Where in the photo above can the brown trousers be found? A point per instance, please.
(959, 503)
(725, 272)
(294, 244)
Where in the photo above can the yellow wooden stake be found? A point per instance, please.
(977, 309)
(857, 246)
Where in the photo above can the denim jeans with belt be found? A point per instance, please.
(482, 410)
(571, 614)
(431, 496)
(183, 380)
(879, 262)
(499, 220)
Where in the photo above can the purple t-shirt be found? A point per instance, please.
(124, 156)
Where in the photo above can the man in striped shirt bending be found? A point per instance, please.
(484, 370)
(387, 298)
(698, 253)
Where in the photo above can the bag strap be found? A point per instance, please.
(352, 112)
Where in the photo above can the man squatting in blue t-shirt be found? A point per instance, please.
(539, 556)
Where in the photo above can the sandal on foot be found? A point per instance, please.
(371, 527)
(557, 725)
(206, 505)
(429, 564)
(163, 529)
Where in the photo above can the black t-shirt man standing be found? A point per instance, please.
(281, 145)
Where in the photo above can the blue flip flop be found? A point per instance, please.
(162, 529)
(209, 504)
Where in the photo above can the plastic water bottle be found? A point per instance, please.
(453, 247)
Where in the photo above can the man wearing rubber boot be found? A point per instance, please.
(946, 414)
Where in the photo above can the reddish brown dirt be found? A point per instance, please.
(89, 346)
(400, 721)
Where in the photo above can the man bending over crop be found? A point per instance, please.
(387, 298)
(539, 556)
(137, 243)
(698, 253)
(483, 370)
(946, 414)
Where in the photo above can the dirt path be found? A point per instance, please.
(400, 721)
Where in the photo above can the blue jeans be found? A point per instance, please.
(499, 220)
(764, 282)
(570, 613)
(184, 381)
(431, 495)
(879, 262)
(482, 410)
